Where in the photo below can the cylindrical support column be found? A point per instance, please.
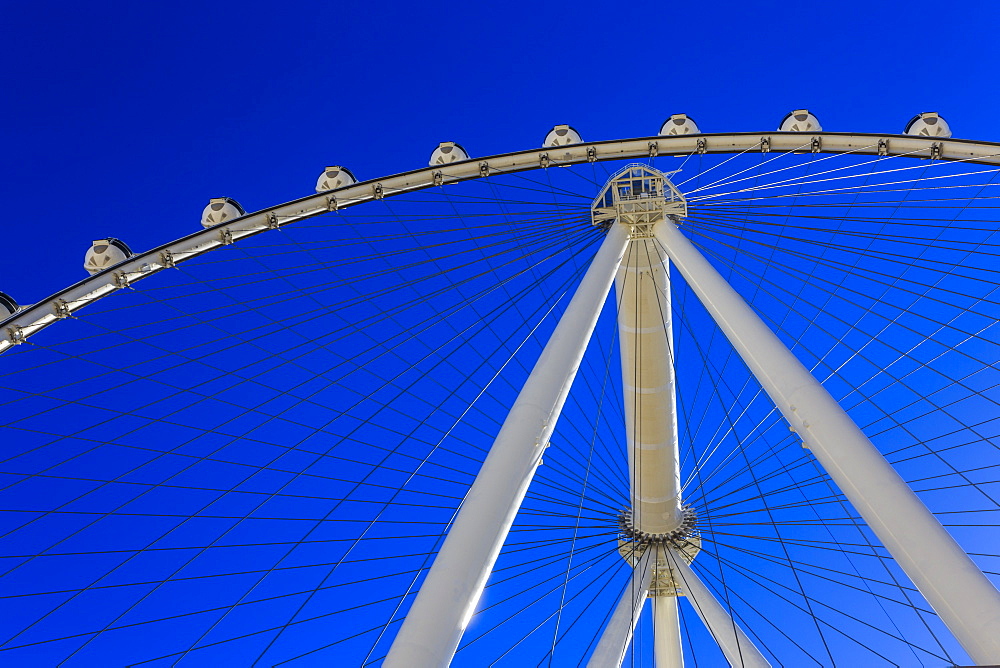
(667, 649)
(617, 636)
(433, 627)
(642, 288)
(962, 596)
(739, 651)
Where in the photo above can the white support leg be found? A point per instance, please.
(963, 597)
(614, 642)
(667, 648)
(644, 339)
(739, 651)
(442, 609)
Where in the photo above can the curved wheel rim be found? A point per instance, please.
(717, 230)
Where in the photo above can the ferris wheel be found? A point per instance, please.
(685, 399)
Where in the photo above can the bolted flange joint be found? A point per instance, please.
(679, 537)
(684, 542)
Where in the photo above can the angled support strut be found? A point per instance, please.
(962, 596)
(734, 643)
(617, 635)
(434, 625)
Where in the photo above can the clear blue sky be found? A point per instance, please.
(122, 119)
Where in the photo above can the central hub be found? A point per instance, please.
(687, 530)
(684, 542)
(638, 196)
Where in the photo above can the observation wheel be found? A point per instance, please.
(687, 399)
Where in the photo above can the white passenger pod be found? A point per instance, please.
(928, 124)
(446, 152)
(679, 124)
(7, 305)
(562, 135)
(333, 178)
(221, 210)
(800, 120)
(105, 253)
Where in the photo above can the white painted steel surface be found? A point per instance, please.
(642, 289)
(734, 643)
(668, 651)
(618, 632)
(31, 319)
(448, 597)
(963, 597)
